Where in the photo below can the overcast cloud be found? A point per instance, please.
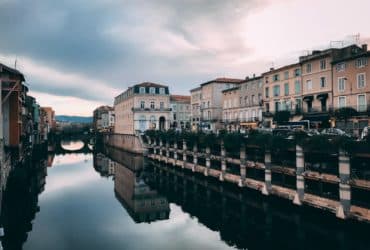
(89, 51)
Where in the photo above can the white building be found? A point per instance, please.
(141, 107)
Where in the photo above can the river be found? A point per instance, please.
(121, 201)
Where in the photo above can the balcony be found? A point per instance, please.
(151, 109)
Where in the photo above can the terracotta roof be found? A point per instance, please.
(11, 70)
(150, 84)
(180, 98)
(223, 80)
(293, 65)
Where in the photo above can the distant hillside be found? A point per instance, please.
(74, 119)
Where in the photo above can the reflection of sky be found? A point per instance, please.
(72, 145)
(79, 211)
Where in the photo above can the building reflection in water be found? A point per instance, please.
(248, 220)
(20, 202)
(143, 203)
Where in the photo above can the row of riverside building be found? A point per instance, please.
(23, 122)
(24, 125)
(310, 89)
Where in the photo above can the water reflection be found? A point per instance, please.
(72, 145)
(143, 203)
(20, 202)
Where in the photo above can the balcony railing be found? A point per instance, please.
(152, 109)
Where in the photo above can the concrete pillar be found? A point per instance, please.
(208, 161)
(298, 198)
(167, 152)
(160, 148)
(344, 188)
(184, 158)
(175, 151)
(195, 156)
(223, 162)
(267, 187)
(243, 167)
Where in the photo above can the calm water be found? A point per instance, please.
(86, 201)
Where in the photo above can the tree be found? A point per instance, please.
(345, 114)
(281, 116)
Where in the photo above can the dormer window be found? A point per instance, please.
(341, 67)
(152, 90)
(142, 90)
(161, 91)
(361, 62)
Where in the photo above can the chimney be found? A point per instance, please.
(247, 78)
(254, 75)
(364, 47)
(272, 68)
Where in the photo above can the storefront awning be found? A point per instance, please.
(308, 98)
(322, 96)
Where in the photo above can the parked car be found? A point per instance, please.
(334, 132)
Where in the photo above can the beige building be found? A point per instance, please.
(231, 108)
(282, 91)
(141, 107)
(211, 102)
(251, 102)
(195, 100)
(351, 86)
(180, 111)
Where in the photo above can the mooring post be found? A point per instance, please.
(267, 186)
(167, 151)
(175, 152)
(344, 165)
(243, 167)
(300, 162)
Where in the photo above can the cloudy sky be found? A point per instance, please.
(78, 54)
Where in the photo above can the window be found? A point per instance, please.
(259, 98)
(277, 106)
(297, 72)
(161, 91)
(253, 99)
(152, 90)
(276, 90)
(286, 89)
(323, 64)
(246, 101)
(286, 75)
(308, 68)
(267, 94)
(259, 84)
(241, 101)
(309, 84)
(361, 62)
(297, 85)
(142, 104)
(152, 106)
(161, 105)
(342, 102)
(322, 82)
(275, 78)
(361, 80)
(340, 67)
(298, 104)
(341, 84)
(361, 103)
(142, 90)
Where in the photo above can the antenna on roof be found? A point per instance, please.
(15, 62)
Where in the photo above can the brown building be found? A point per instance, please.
(318, 84)
(50, 117)
(13, 94)
(351, 87)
